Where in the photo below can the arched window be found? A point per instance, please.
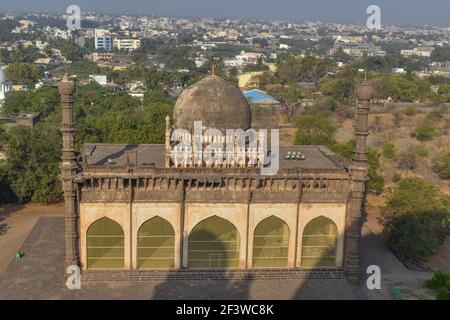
(156, 244)
(105, 245)
(319, 244)
(214, 243)
(271, 244)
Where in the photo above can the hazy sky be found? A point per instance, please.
(399, 12)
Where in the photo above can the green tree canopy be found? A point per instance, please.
(417, 234)
(402, 88)
(314, 130)
(417, 218)
(441, 54)
(414, 195)
(20, 54)
(68, 49)
(32, 163)
(23, 73)
(289, 95)
(45, 100)
(292, 69)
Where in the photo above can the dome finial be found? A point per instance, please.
(213, 70)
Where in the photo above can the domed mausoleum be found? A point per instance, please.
(215, 102)
(135, 207)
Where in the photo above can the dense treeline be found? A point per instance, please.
(417, 218)
(31, 170)
(19, 54)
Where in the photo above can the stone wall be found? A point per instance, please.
(185, 216)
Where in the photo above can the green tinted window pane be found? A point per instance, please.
(105, 241)
(105, 264)
(319, 244)
(105, 245)
(156, 245)
(271, 244)
(214, 243)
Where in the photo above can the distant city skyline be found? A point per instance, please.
(399, 12)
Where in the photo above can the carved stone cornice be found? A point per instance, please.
(213, 188)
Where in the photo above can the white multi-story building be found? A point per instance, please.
(243, 59)
(419, 51)
(5, 87)
(100, 32)
(104, 42)
(127, 44)
(357, 49)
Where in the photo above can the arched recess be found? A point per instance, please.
(319, 243)
(156, 244)
(105, 245)
(213, 244)
(271, 244)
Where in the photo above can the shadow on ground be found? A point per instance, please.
(5, 212)
(203, 289)
(4, 228)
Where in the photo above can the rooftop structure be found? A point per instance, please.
(256, 96)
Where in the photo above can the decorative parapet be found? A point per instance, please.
(203, 187)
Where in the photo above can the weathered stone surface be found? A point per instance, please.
(215, 102)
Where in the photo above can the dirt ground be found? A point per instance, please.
(16, 223)
(401, 137)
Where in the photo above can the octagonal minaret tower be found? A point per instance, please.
(358, 171)
(69, 169)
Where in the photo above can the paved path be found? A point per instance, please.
(16, 223)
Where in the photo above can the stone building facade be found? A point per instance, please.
(131, 207)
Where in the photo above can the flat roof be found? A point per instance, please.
(115, 155)
(258, 96)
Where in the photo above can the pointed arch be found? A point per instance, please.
(156, 244)
(319, 243)
(214, 244)
(271, 243)
(105, 245)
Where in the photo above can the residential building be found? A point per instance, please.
(100, 79)
(357, 49)
(104, 42)
(127, 44)
(105, 56)
(5, 87)
(259, 97)
(418, 51)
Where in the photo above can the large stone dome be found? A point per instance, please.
(215, 102)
